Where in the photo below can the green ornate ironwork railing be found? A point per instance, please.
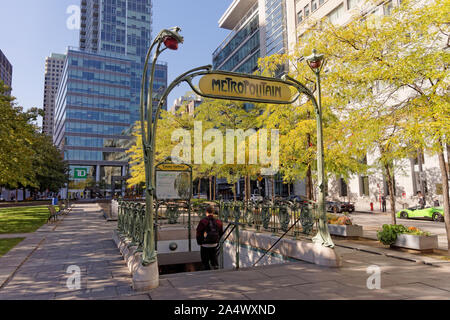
(276, 217)
(131, 222)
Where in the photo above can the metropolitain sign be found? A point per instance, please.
(252, 88)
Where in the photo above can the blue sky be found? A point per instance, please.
(32, 30)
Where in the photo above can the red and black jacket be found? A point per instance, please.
(202, 227)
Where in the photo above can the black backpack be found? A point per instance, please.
(212, 232)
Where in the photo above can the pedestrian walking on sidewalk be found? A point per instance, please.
(383, 203)
(209, 232)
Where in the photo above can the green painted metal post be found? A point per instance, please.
(323, 236)
(189, 225)
(238, 246)
(148, 138)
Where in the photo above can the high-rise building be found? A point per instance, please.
(5, 70)
(258, 29)
(99, 94)
(53, 70)
(186, 104)
(121, 28)
(420, 173)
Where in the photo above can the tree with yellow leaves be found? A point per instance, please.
(387, 81)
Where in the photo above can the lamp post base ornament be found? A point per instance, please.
(146, 277)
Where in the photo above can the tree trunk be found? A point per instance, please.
(273, 189)
(448, 159)
(421, 182)
(249, 187)
(199, 186)
(390, 182)
(210, 188)
(309, 184)
(214, 188)
(445, 194)
(234, 192)
(289, 189)
(17, 195)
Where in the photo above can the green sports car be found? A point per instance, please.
(436, 214)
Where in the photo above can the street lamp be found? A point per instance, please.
(170, 38)
(316, 63)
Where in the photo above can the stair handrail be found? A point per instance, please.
(279, 239)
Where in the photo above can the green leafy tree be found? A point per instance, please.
(387, 81)
(51, 171)
(16, 147)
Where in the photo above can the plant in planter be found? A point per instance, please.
(389, 234)
(343, 226)
(339, 220)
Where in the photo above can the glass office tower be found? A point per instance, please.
(258, 29)
(240, 51)
(5, 71)
(98, 97)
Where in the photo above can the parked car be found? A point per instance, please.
(436, 214)
(200, 196)
(339, 207)
(256, 197)
(295, 198)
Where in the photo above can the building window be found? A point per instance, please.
(321, 2)
(336, 14)
(388, 8)
(343, 188)
(364, 186)
(306, 9)
(439, 189)
(352, 3)
(313, 5)
(300, 16)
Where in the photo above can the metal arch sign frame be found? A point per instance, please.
(323, 236)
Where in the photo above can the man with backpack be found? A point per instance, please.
(209, 232)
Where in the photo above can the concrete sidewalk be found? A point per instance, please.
(37, 269)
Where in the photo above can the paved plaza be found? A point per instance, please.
(37, 269)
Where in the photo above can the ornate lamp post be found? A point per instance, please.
(316, 63)
(166, 39)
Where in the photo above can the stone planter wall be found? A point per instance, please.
(345, 231)
(410, 241)
(296, 249)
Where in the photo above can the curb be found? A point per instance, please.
(396, 255)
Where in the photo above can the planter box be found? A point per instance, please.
(345, 231)
(410, 241)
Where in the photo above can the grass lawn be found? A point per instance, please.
(8, 244)
(22, 219)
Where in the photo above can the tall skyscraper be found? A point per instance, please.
(53, 70)
(5, 70)
(258, 29)
(98, 97)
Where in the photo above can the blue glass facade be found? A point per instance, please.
(242, 51)
(99, 95)
(275, 27)
(249, 40)
(122, 28)
(92, 117)
(5, 70)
